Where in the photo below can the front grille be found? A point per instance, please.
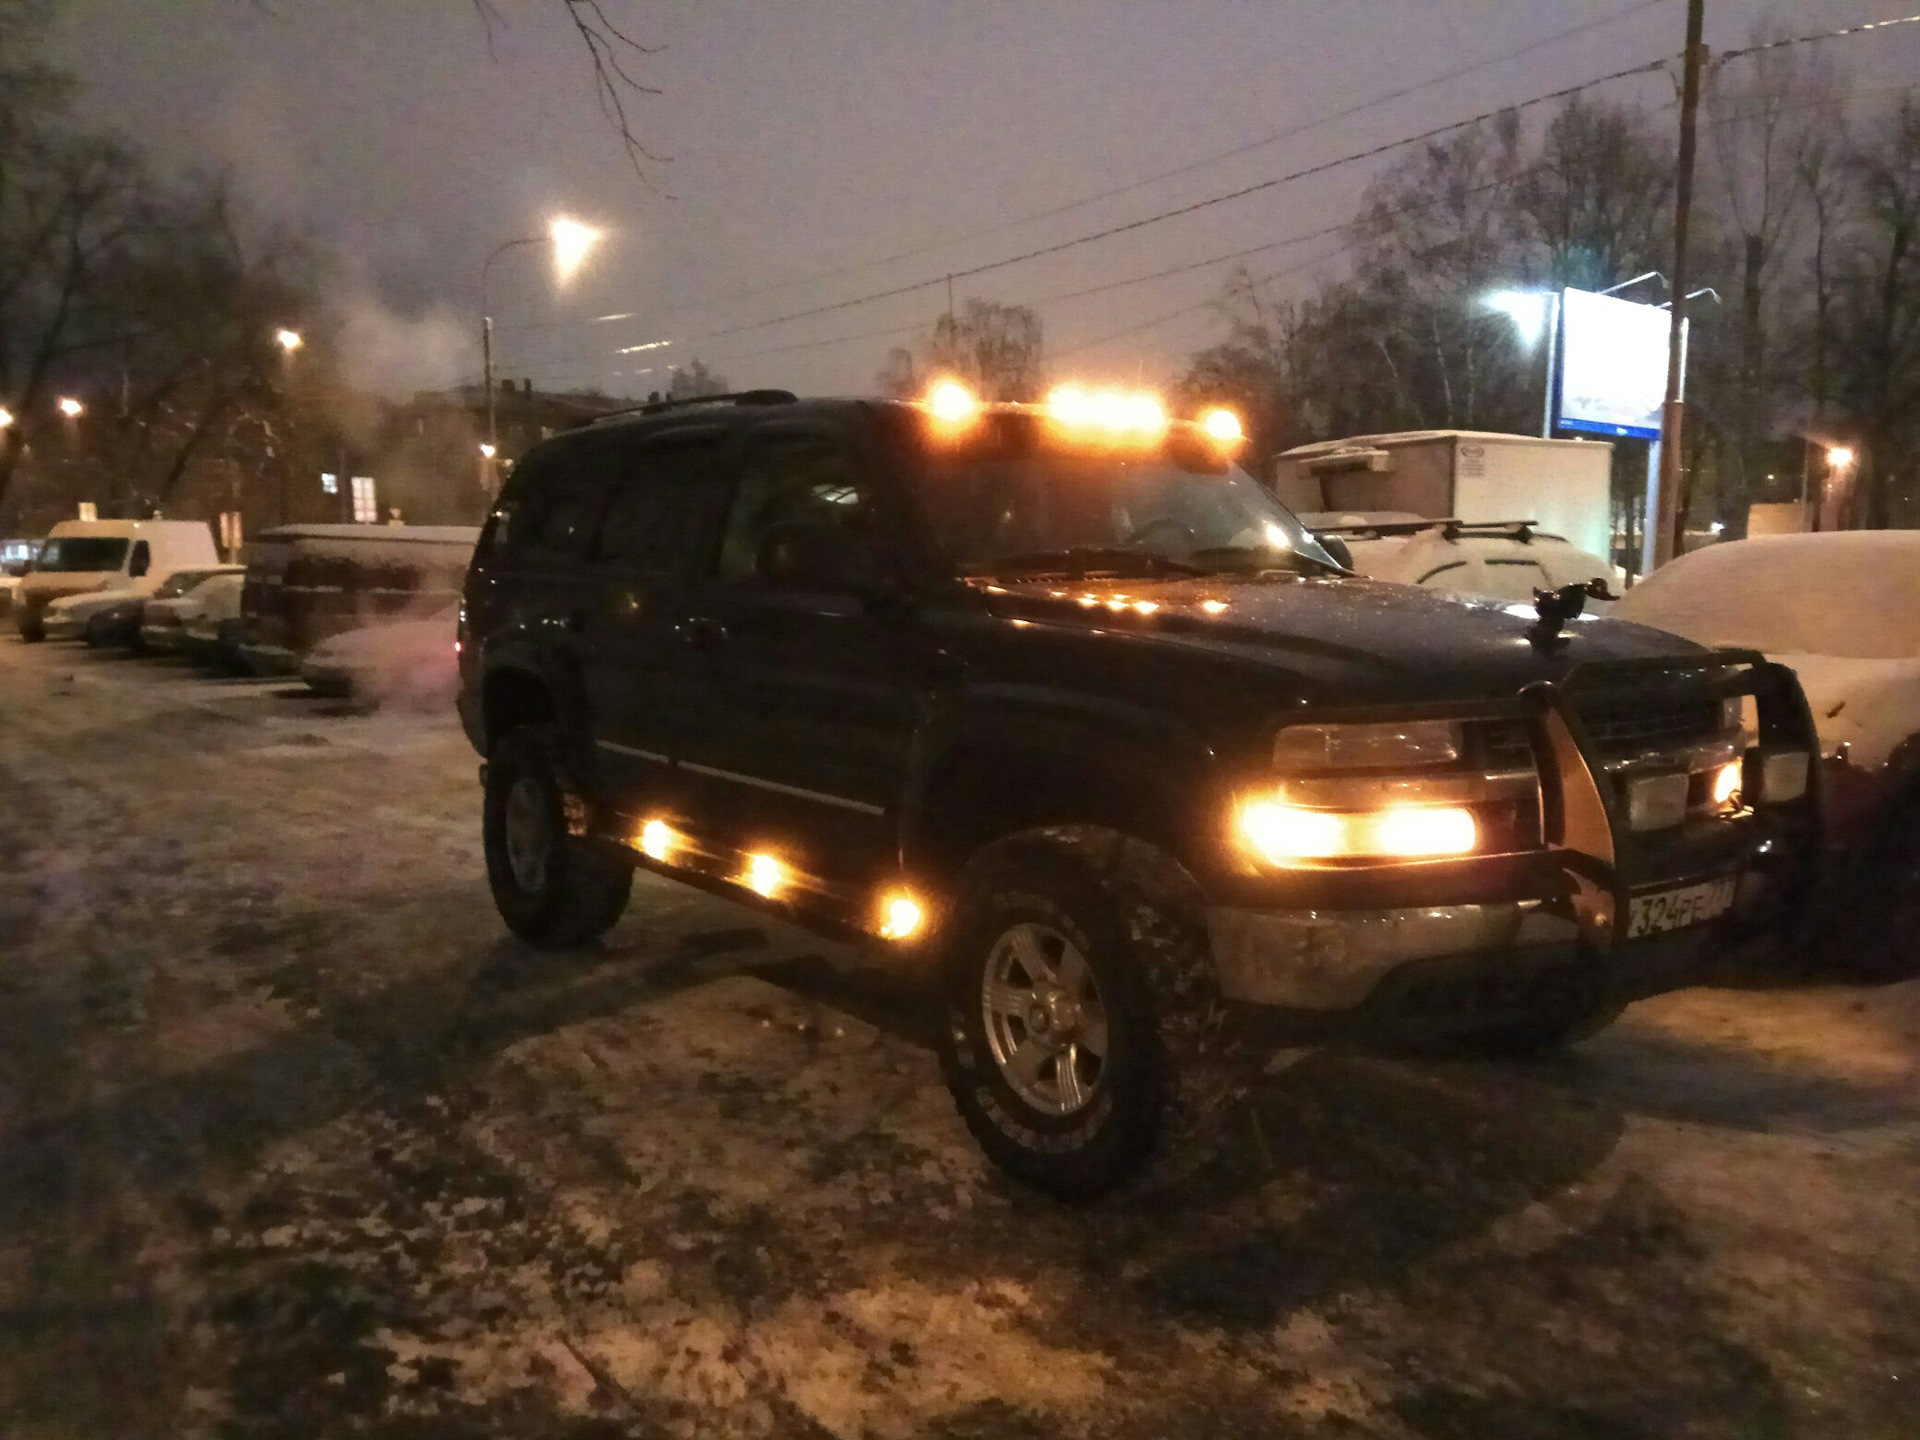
(1619, 725)
(1641, 724)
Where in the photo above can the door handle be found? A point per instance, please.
(702, 632)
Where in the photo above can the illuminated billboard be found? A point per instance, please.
(1613, 373)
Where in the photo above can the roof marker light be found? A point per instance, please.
(765, 875)
(1223, 425)
(901, 915)
(952, 404)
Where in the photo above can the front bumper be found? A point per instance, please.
(1408, 941)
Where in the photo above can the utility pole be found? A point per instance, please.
(1673, 412)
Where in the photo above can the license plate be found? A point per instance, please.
(1676, 909)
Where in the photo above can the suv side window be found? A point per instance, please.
(550, 515)
(659, 489)
(792, 485)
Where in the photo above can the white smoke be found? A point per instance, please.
(393, 354)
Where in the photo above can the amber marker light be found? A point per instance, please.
(1726, 784)
(658, 841)
(765, 875)
(1223, 426)
(952, 405)
(1283, 834)
(901, 915)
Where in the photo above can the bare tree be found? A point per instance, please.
(995, 348)
(1878, 312)
(899, 376)
(694, 380)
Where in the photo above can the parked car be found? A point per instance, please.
(90, 614)
(130, 556)
(1062, 699)
(1497, 561)
(160, 625)
(409, 663)
(1842, 610)
(210, 622)
(306, 583)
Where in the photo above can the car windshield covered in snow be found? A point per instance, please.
(1013, 500)
(72, 553)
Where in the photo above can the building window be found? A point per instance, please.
(329, 484)
(366, 506)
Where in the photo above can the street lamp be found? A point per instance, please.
(70, 407)
(288, 340)
(1534, 313)
(1839, 457)
(487, 452)
(572, 242)
(6, 417)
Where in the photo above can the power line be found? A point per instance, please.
(1840, 34)
(1178, 211)
(1231, 153)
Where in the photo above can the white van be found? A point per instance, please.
(134, 556)
(1480, 562)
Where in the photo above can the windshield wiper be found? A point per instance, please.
(1080, 561)
(1280, 559)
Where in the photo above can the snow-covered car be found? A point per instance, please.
(210, 621)
(161, 625)
(411, 663)
(91, 616)
(1483, 561)
(1843, 611)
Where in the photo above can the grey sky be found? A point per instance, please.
(808, 135)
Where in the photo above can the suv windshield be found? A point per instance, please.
(1011, 499)
(83, 552)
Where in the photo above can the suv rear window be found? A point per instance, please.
(548, 513)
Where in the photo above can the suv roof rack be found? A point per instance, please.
(1452, 529)
(732, 397)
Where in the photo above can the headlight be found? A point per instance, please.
(1352, 747)
(1284, 834)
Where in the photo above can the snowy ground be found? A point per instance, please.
(293, 1142)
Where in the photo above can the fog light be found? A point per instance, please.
(1283, 834)
(657, 840)
(901, 916)
(1776, 776)
(1657, 802)
(1727, 783)
(765, 875)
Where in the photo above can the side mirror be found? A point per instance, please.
(1337, 548)
(141, 561)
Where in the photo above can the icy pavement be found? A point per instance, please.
(294, 1142)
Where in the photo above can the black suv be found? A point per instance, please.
(1059, 698)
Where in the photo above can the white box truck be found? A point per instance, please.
(1563, 486)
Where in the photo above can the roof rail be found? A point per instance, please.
(1451, 528)
(732, 397)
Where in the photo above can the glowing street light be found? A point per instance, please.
(70, 407)
(6, 417)
(1534, 313)
(573, 241)
(289, 340)
(487, 451)
(1839, 457)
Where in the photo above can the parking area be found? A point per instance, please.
(294, 1141)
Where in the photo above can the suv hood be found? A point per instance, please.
(1376, 642)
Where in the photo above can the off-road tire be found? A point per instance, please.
(1175, 1062)
(580, 892)
(1881, 934)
